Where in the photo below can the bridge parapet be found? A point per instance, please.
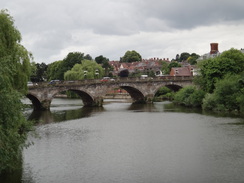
(118, 80)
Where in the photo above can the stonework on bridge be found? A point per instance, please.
(92, 92)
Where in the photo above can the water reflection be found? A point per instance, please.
(44, 117)
(142, 108)
(171, 107)
(124, 142)
(13, 176)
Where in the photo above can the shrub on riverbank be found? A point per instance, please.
(163, 93)
(227, 96)
(189, 96)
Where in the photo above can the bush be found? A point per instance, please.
(189, 96)
(227, 96)
(209, 102)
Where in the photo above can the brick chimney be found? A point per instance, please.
(214, 48)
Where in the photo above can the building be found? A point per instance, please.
(189, 70)
(214, 52)
(146, 65)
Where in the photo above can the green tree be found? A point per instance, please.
(69, 61)
(58, 69)
(164, 93)
(33, 70)
(54, 70)
(88, 69)
(214, 69)
(226, 96)
(15, 71)
(192, 59)
(100, 59)
(105, 64)
(184, 56)
(131, 56)
(39, 72)
(177, 57)
(189, 96)
(165, 68)
(87, 57)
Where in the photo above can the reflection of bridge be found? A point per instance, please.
(92, 92)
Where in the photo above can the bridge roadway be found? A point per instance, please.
(92, 92)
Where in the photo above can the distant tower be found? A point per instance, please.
(214, 48)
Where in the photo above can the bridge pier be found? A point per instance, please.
(149, 98)
(98, 102)
(45, 105)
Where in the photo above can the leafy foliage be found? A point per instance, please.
(189, 96)
(88, 69)
(13, 54)
(54, 70)
(105, 64)
(165, 67)
(57, 69)
(214, 69)
(227, 95)
(14, 74)
(131, 56)
(164, 93)
(184, 56)
(38, 72)
(190, 58)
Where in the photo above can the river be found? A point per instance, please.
(125, 143)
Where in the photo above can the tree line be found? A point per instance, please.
(219, 85)
(88, 68)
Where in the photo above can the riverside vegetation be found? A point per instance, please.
(219, 85)
(14, 74)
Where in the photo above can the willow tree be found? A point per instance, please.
(14, 74)
(88, 69)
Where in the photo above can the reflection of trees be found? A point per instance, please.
(44, 117)
(16, 175)
(162, 107)
(142, 107)
(12, 176)
(41, 117)
(171, 107)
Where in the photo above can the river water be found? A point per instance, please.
(125, 143)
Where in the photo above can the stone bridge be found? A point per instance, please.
(92, 92)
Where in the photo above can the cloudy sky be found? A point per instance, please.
(154, 28)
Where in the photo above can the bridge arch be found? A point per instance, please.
(86, 98)
(35, 102)
(136, 95)
(173, 87)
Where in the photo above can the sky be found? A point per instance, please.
(154, 28)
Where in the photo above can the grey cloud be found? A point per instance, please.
(52, 27)
(192, 13)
